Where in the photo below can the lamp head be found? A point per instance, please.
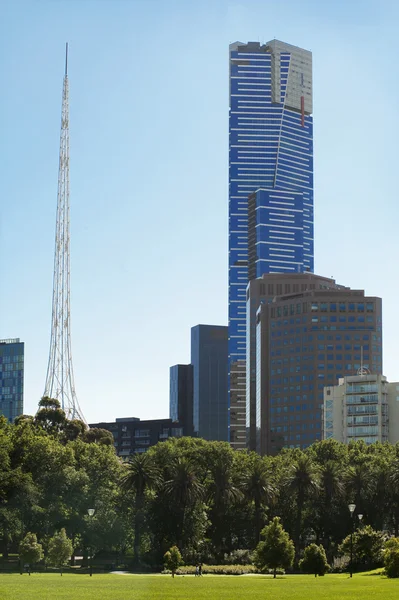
(352, 508)
(90, 511)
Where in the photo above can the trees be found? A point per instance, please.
(140, 475)
(50, 415)
(277, 550)
(257, 487)
(59, 550)
(184, 491)
(173, 559)
(222, 494)
(368, 547)
(30, 551)
(302, 481)
(314, 560)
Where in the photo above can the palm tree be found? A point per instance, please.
(141, 475)
(184, 490)
(258, 489)
(222, 493)
(359, 484)
(302, 481)
(331, 489)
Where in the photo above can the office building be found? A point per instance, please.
(181, 397)
(11, 378)
(209, 350)
(271, 156)
(362, 407)
(262, 291)
(304, 342)
(132, 435)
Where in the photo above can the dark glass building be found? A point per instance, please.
(181, 396)
(270, 162)
(11, 378)
(209, 348)
(132, 435)
(305, 341)
(262, 291)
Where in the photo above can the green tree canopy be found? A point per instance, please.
(368, 546)
(314, 560)
(173, 559)
(59, 550)
(30, 551)
(277, 550)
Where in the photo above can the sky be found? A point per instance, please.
(149, 175)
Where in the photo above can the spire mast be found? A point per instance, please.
(60, 380)
(66, 59)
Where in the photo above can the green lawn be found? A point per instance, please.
(210, 587)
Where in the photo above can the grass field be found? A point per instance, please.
(209, 587)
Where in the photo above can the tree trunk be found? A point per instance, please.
(73, 551)
(274, 573)
(258, 524)
(137, 529)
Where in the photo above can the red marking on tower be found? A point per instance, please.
(303, 111)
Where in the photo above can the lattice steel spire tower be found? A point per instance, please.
(60, 381)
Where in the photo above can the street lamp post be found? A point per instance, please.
(351, 510)
(90, 512)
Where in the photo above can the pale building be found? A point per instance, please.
(362, 407)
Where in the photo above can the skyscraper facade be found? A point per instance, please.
(270, 154)
(209, 347)
(11, 378)
(263, 290)
(306, 341)
(181, 396)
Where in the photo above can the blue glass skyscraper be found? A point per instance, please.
(271, 153)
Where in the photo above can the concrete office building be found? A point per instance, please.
(262, 291)
(132, 435)
(271, 156)
(11, 378)
(362, 407)
(181, 397)
(209, 351)
(305, 341)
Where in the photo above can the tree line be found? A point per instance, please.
(209, 500)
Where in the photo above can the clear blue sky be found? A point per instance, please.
(149, 167)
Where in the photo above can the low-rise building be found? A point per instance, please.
(362, 407)
(132, 435)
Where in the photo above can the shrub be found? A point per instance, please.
(314, 560)
(238, 557)
(217, 570)
(392, 544)
(391, 563)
